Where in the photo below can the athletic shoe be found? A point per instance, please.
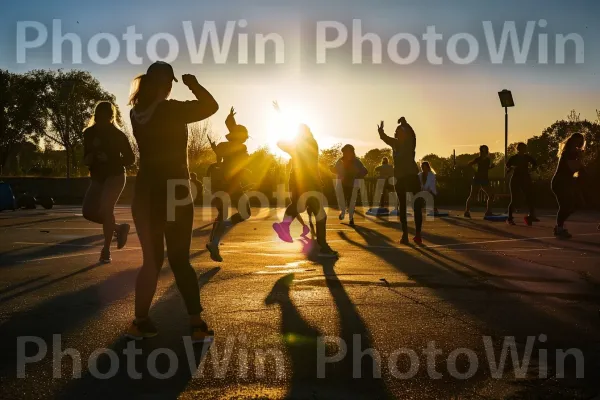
(305, 231)
(528, 220)
(511, 221)
(201, 334)
(213, 249)
(404, 239)
(418, 240)
(467, 214)
(122, 234)
(326, 251)
(351, 223)
(139, 330)
(562, 233)
(283, 231)
(105, 256)
(342, 215)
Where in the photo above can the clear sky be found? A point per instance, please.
(450, 106)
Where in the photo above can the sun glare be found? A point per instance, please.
(283, 126)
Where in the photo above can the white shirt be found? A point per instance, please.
(429, 185)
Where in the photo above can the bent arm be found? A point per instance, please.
(88, 155)
(203, 107)
(127, 156)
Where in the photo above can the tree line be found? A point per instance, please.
(43, 114)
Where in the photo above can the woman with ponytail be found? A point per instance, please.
(160, 129)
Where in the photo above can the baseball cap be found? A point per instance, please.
(161, 68)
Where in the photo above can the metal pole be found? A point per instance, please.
(505, 139)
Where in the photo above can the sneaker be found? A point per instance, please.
(418, 240)
(283, 231)
(404, 239)
(351, 223)
(305, 231)
(342, 215)
(122, 232)
(105, 256)
(511, 221)
(213, 249)
(326, 251)
(139, 330)
(201, 334)
(528, 220)
(467, 214)
(562, 233)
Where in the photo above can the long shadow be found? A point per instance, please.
(355, 334)
(199, 231)
(171, 320)
(15, 286)
(499, 312)
(50, 282)
(300, 339)
(12, 257)
(36, 222)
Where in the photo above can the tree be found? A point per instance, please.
(69, 98)
(198, 146)
(21, 114)
(372, 158)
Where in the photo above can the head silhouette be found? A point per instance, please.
(385, 161)
(154, 85)
(484, 150)
(348, 151)
(104, 113)
(574, 143)
(522, 148)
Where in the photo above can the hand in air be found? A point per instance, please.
(189, 80)
(276, 106)
(380, 128)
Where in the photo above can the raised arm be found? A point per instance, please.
(203, 107)
(390, 141)
(288, 147)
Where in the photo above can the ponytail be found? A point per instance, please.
(143, 91)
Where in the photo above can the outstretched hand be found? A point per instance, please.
(276, 106)
(380, 128)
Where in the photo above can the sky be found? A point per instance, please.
(339, 92)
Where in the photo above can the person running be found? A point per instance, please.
(227, 176)
(428, 182)
(304, 179)
(349, 169)
(386, 172)
(564, 184)
(107, 152)
(406, 175)
(481, 181)
(520, 181)
(160, 129)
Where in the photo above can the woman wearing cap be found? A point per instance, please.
(107, 152)
(406, 174)
(160, 129)
(349, 169)
(226, 175)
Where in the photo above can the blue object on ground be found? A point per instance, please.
(378, 211)
(439, 214)
(496, 218)
(7, 198)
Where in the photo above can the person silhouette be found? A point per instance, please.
(107, 152)
(428, 182)
(481, 181)
(563, 182)
(227, 176)
(520, 181)
(349, 170)
(386, 172)
(305, 187)
(160, 129)
(406, 172)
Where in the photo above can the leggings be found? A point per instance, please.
(564, 191)
(99, 203)
(385, 195)
(404, 185)
(219, 226)
(348, 203)
(149, 209)
(524, 185)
